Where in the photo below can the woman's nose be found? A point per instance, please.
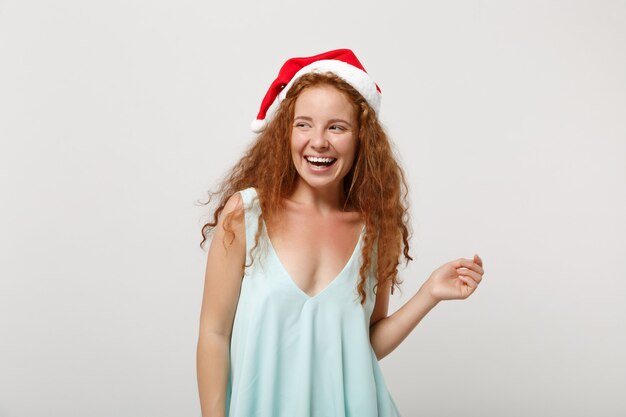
(319, 140)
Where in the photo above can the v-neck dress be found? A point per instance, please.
(296, 355)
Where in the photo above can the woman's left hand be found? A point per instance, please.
(456, 280)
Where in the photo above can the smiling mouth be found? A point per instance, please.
(320, 162)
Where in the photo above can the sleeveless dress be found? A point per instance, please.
(295, 355)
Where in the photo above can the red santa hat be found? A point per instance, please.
(341, 62)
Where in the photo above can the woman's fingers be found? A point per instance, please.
(468, 263)
(470, 282)
(472, 274)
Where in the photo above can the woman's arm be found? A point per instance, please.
(387, 333)
(453, 280)
(224, 271)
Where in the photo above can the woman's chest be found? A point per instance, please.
(313, 251)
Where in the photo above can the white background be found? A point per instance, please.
(508, 117)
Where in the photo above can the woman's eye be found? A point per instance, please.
(300, 124)
(337, 127)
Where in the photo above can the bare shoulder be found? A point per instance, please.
(233, 204)
(231, 219)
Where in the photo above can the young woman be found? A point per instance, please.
(308, 235)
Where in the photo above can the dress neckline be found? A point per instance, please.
(333, 282)
(341, 273)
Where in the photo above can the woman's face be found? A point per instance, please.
(324, 125)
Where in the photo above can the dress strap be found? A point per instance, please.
(252, 211)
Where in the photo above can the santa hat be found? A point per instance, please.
(341, 62)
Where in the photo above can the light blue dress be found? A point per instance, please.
(293, 355)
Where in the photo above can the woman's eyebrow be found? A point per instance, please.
(340, 120)
(330, 121)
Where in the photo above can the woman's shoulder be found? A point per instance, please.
(233, 203)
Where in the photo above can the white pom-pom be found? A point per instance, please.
(257, 126)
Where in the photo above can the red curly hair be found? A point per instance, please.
(375, 185)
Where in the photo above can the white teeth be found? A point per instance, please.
(316, 159)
